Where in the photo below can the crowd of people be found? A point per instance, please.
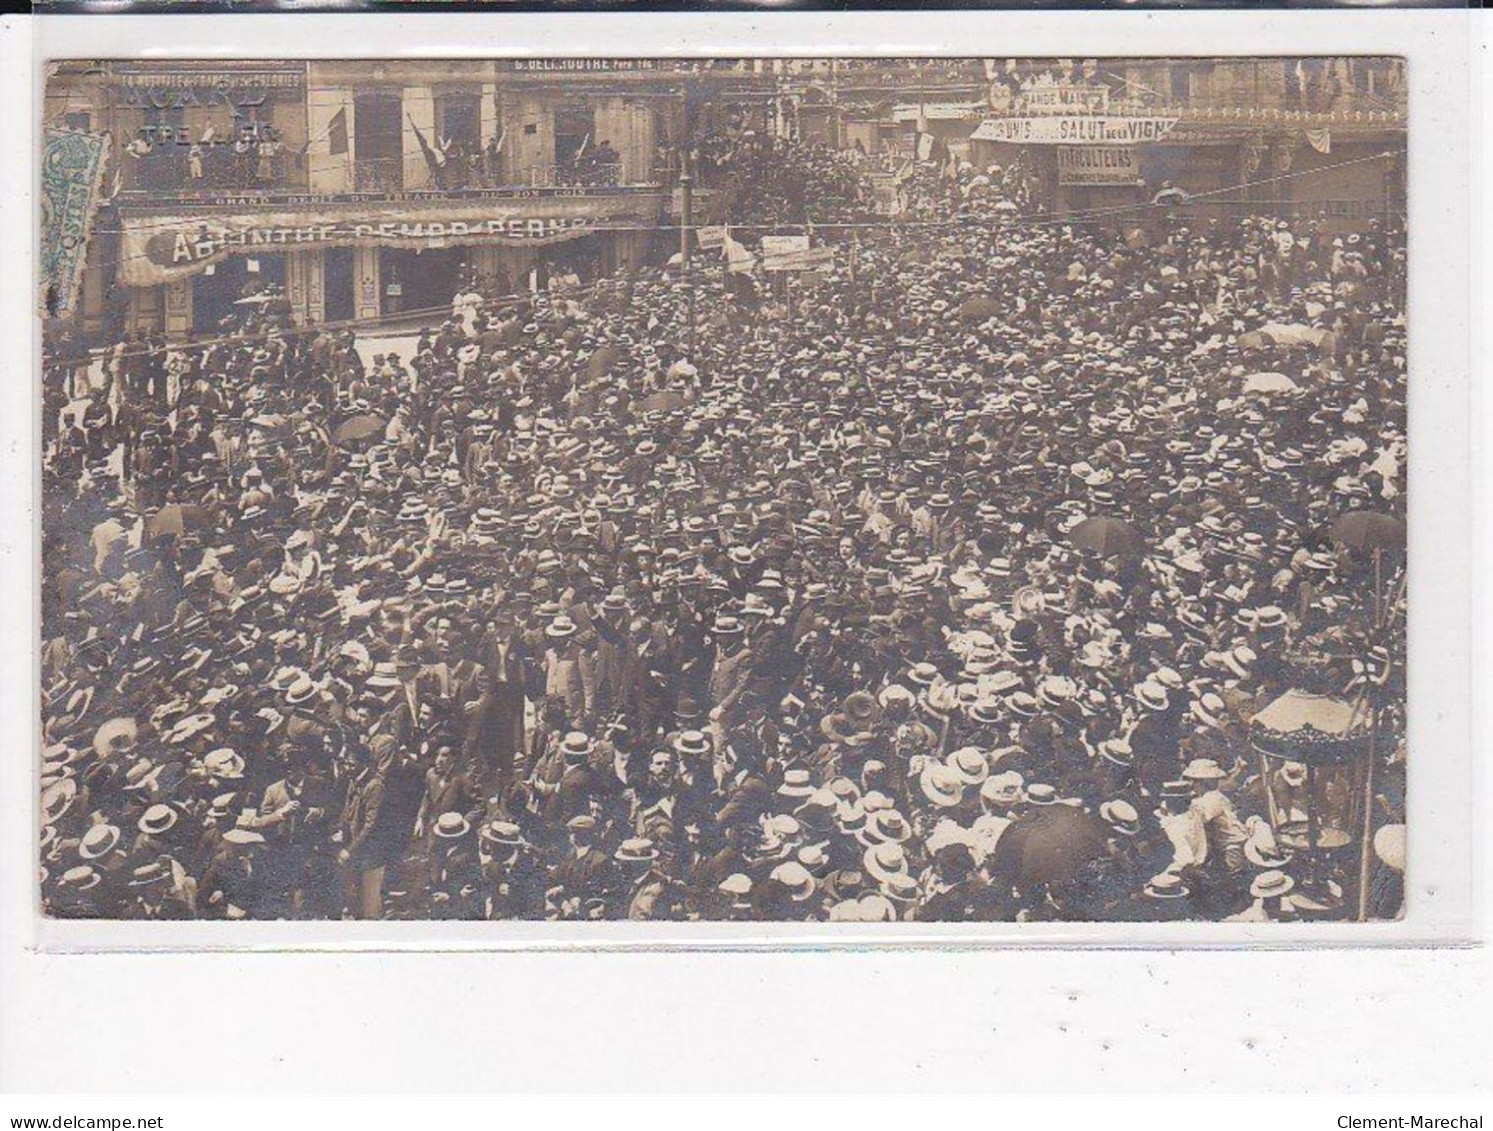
(547, 617)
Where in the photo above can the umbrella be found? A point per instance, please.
(1288, 334)
(177, 518)
(600, 363)
(1111, 537)
(359, 428)
(1269, 383)
(661, 402)
(115, 735)
(1369, 530)
(1048, 845)
(978, 309)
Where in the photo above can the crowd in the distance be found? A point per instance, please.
(542, 618)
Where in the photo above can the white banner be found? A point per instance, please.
(1073, 129)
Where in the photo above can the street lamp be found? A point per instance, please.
(1314, 752)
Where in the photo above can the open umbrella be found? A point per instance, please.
(665, 401)
(978, 309)
(1369, 530)
(1269, 383)
(177, 518)
(600, 363)
(1111, 537)
(357, 428)
(1048, 845)
(1289, 335)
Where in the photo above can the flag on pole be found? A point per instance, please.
(433, 160)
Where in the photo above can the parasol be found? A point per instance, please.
(1307, 727)
(177, 518)
(1048, 845)
(1110, 537)
(1369, 530)
(356, 428)
(1269, 383)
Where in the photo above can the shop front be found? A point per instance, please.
(223, 291)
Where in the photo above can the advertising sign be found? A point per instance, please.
(1074, 129)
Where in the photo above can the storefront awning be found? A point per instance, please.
(162, 248)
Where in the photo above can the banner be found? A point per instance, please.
(775, 247)
(886, 194)
(160, 249)
(807, 260)
(72, 171)
(1097, 165)
(710, 237)
(1073, 129)
(1054, 97)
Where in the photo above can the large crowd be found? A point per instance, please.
(547, 618)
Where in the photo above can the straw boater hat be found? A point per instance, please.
(1203, 770)
(503, 833)
(636, 850)
(883, 861)
(798, 879)
(157, 819)
(576, 746)
(450, 826)
(1121, 816)
(1271, 885)
(1166, 885)
(100, 840)
(941, 785)
(970, 763)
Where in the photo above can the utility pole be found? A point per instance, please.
(686, 238)
(687, 218)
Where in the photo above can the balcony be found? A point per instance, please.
(210, 172)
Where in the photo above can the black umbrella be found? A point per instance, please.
(178, 518)
(359, 428)
(1369, 530)
(1048, 845)
(979, 309)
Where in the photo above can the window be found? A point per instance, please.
(575, 129)
(458, 121)
(1181, 82)
(378, 141)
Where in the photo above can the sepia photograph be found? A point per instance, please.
(772, 490)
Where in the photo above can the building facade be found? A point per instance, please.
(1309, 138)
(370, 190)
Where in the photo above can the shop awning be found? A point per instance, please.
(160, 248)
